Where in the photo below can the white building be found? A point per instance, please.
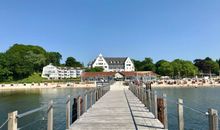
(53, 72)
(113, 64)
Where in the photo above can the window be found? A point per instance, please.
(128, 64)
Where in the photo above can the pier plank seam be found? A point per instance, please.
(112, 112)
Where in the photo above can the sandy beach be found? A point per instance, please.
(185, 83)
(46, 85)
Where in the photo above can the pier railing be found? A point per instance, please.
(157, 104)
(81, 103)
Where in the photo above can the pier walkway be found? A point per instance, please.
(118, 109)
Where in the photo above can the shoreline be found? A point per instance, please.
(187, 86)
(45, 86)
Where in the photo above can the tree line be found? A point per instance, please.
(179, 68)
(21, 61)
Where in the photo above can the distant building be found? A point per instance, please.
(54, 72)
(113, 64)
(125, 76)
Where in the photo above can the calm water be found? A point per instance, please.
(199, 98)
(31, 99)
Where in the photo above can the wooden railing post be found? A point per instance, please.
(145, 97)
(97, 94)
(12, 122)
(68, 112)
(139, 91)
(101, 89)
(180, 114)
(94, 96)
(162, 110)
(165, 111)
(149, 100)
(85, 102)
(155, 104)
(213, 119)
(50, 116)
(91, 98)
(142, 95)
(78, 107)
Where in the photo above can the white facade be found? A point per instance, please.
(129, 65)
(113, 64)
(53, 72)
(100, 62)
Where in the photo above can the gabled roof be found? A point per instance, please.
(115, 60)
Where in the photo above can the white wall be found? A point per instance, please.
(100, 62)
(54, 72)
(129, 65)
(50, 71)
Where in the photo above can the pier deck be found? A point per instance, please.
(119, 109)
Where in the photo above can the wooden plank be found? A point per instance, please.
(112, 112)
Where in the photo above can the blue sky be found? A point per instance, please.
(161, 29)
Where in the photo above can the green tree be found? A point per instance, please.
(148, 65)
(165, 69)
(207, 65)
(95, 69)
(137, 65)
(5, 73)
(54, 58)
(184, 68)
(23, 60)
(71, 62)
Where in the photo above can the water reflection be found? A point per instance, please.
(25, 100)
(199, 98)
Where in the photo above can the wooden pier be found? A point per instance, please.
(115, 107)
(118, 109)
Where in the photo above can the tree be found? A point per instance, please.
(207, 65)
(145, 65)
(71, 62)
(137, 64)
(5, 73)
(23, 60)
(165, 69)
(184, 68)
(95, 69)
(148, 65)
(54, 58)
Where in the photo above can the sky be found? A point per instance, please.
(160, 29)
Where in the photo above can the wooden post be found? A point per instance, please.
(78, 107)
(94, 96)
(155, 104)
(162, 110)
(91, 98)
(139, 95)
(149, 100)
(97, 94)
(85, 102)
(180, 114)
(68, 112)
(213, 119)
(101, 89)
(142, 95)
(160, 105)
(165, 111)
(12, 122)
(145, 97)
(50, 116)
